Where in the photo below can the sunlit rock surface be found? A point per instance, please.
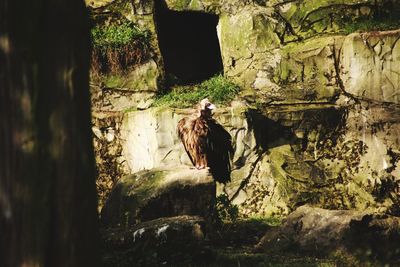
(320, 124)
(282, 51)
(285, 156)
(370, 64)
(156, 143)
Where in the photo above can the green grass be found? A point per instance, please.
(117, 35)
(367, 25)
(218, 89)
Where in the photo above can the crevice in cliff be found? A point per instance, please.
(332, 7)
(288, 29)
(246, 180)
(189, 44)
(339, 81)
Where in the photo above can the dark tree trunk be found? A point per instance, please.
(47, 184)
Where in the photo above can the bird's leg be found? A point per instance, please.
(201, 164)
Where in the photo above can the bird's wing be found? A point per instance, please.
(219, 152)
(185, 136)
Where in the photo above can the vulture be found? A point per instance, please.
(207, 143)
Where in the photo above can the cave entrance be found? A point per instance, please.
(189, 45)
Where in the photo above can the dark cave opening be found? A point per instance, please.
(189, 45)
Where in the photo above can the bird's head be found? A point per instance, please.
(206, 108)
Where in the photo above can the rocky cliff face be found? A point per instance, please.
(277, 50)
(295, 51)
(318, 122)
(285, 156)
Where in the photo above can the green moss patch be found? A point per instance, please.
(218, 89)
(368, 25)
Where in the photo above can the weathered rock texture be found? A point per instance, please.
(156, 143)
(370, 64)
(108, 150)
(129, 87)
(286, 156)
(149, 195)
(311, 228)
(327, 127)
(281, 50)
(277, 50)
(353, 234)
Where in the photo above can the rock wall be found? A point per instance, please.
(296, 51)
(276, 50)
(330, 156)
(136, 84)
(370, 65)
(156, 144)
(110, 164)
(327, 126)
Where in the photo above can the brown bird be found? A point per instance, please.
(207, 143)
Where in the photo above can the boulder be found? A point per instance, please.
(156, 193)
(360, 234)
(165, 241)
(310, 229)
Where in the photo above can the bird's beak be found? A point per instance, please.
(211, 107)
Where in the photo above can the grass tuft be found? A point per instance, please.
(218, 89)
(118, 46)
(116, 36)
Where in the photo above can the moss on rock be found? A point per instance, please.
(148, 195)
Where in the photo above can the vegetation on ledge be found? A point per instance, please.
(117, 36)
(218, 89)
(118, 46)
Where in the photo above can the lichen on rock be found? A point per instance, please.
(314, 88)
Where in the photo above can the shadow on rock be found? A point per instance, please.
(353, 237)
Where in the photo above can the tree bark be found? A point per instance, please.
(48, 201)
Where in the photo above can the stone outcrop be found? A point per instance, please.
(125, 89)
(314, 70)
(281, 51)
(370, 64)
(151, 194)
(166, 241)
(317, 122)
(285, 156)
(156, 143)
(353, 234)
(321, 135)
(310, 228)
(121, 92)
